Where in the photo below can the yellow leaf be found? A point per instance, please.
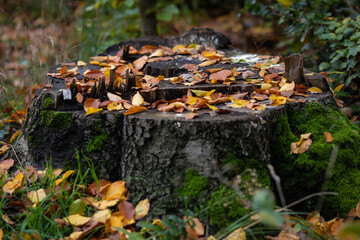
(202, 93)
(277, 100)
(315, 90)
(138, 100)
(238, 234)
(115, 191)
(303, 145)
(142, 209)
(65, 175)
(77, 220)
(157, 53)
(178, 48)
(191, 100)
(36, 196)
(102, 204)
(114, 106)
(75, 235)
(102, 216)
(1, 233)
(212, 107)
(81, 63)
(3, 149)
(92, 110)
(158, 222)
(338, 88)
(12, 185)
(266, 86)
(94, 62)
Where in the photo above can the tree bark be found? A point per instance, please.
(148, 17)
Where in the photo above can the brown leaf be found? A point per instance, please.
(247, 74)
(328, 137)
(126, 209)
(221, 75)
(6, 164)
(95, 188)
(191, 67)
(139, 63)
(91, 102)
(190, 116)
(358, 210)
(96, 74)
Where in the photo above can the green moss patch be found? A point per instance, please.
(305, 173)
(99, 139)
(56, 119)
(48, 104)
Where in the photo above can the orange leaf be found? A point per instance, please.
(6, 164)
(14, 136)
(115, 191)
(328, 137)
(139, 63)
(358, 210)
(64, 176)
(196, 229)
(208, 63)
(12, 185)
(135, 109)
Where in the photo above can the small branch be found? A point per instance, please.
(277, 183)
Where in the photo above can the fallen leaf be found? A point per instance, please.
(178, 48)
(303, 145)
(137, 100)
(36, 196)
(358, 210)
(238, 234)
(221, 75)
(315, 90)
(10, 186)
(64, 176)
(77, 220)
(115, 191)
(190, 116)
(102, 216)
(81, 63)
(277, 100)
(247, 74)
(212, 107)
(114, 106)
(208, 63)
(142, 208)
(91, 102)
(6, 219)
(328, 137)
(194, 229)
(140, 62)
(157, 53)
(14, 136)
(135, 109)
(266, 86)
(92, 110)
(6, 164)
(338, 88)
(126, 209)
(191, 67)
(202, 93)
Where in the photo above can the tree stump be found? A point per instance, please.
(154, 151)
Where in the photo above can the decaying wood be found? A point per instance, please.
(294, 69)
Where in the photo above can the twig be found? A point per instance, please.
(277, 183)
(330, 167)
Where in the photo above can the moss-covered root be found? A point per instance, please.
(305, 173)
